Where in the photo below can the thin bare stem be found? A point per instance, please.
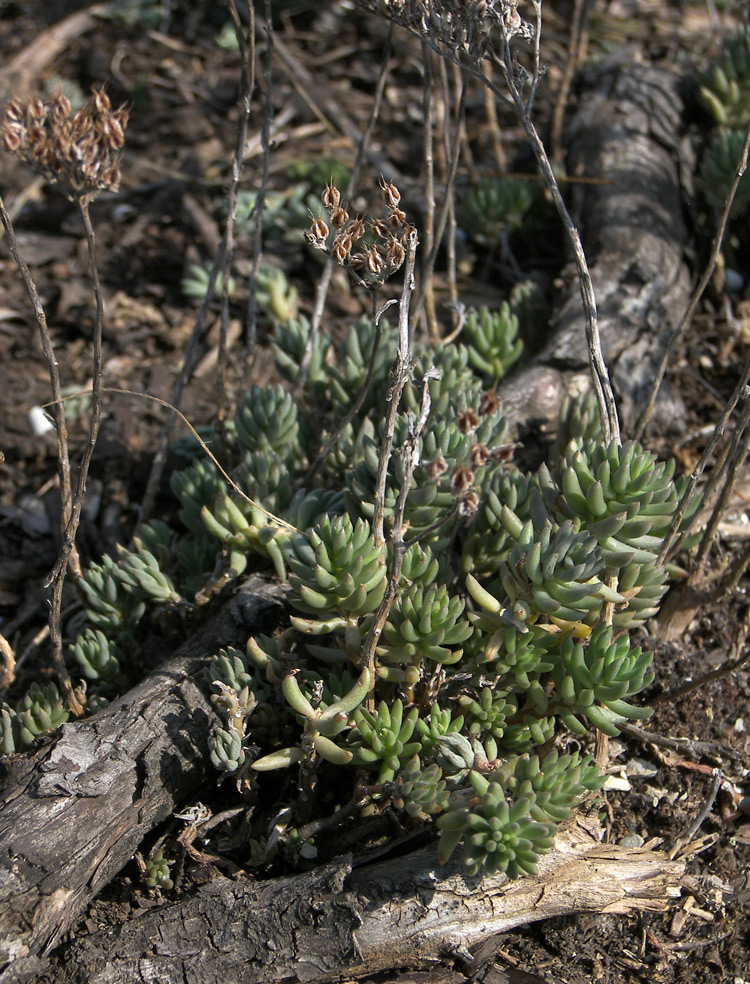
(705, 279)
(505, 62)
(737, 452)
(600, 375)
(410, 460)
(260, 201)
(429, 263)
(667, 546)
(246, 46)
(57, 577)
(429, 185)
(58, 408)
(399, 378)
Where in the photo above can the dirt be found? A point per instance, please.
(181, 86)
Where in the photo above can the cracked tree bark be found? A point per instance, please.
(76, 811)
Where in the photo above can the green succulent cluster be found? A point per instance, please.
(157, 873)
(724, 90)
(39, 712)
(492, 341)
(99, 658)
(495, 205)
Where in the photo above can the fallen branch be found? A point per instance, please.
(343, 920)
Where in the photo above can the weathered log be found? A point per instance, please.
(626, 133)
(79, 809)
(345, 921)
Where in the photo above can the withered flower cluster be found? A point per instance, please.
(469, 25)
(341, 237)
(79, 153)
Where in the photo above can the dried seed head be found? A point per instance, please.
(489, 402)
(380, 229)
(396, 218)
(319, 230)
(11, 138)
(331, 196)
(478, 455)
(14, 111)
(357, 228)
(394, 254)
(101, 101)
(462, 479)
(80, 154)
(342, 247)
(36, 109)
(437, 467)
(60, 106)
(468, 421)
(469, 503)
(339, 217)
(374, 262)
(391, 194)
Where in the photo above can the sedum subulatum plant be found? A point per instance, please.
(500, 620)
(506, 636)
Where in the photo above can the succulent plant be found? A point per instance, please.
(424, 624)
(499, 835)
(622, 496)
(595, 680)
(109, 605)
(555, 785)
(143, 576)
(530, 306)
(98, 658)
(266, 420)
(549, 576)
(226, 751)
(438, 723)
(457, 380)
(384, 739)
(489, 713)
(195, 487)
(340, 571)
(420, 791)
(725, 87)
(289, 342)
(495, 205)
(275, 296)
(321, 724)
(197, 279)
(347, 377)
(492, 342)
(579, 421)
(505, 507)
(40, 711)
(157, 871)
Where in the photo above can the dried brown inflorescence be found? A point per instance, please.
(374, 262)
(469, 25)
(78, 153)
